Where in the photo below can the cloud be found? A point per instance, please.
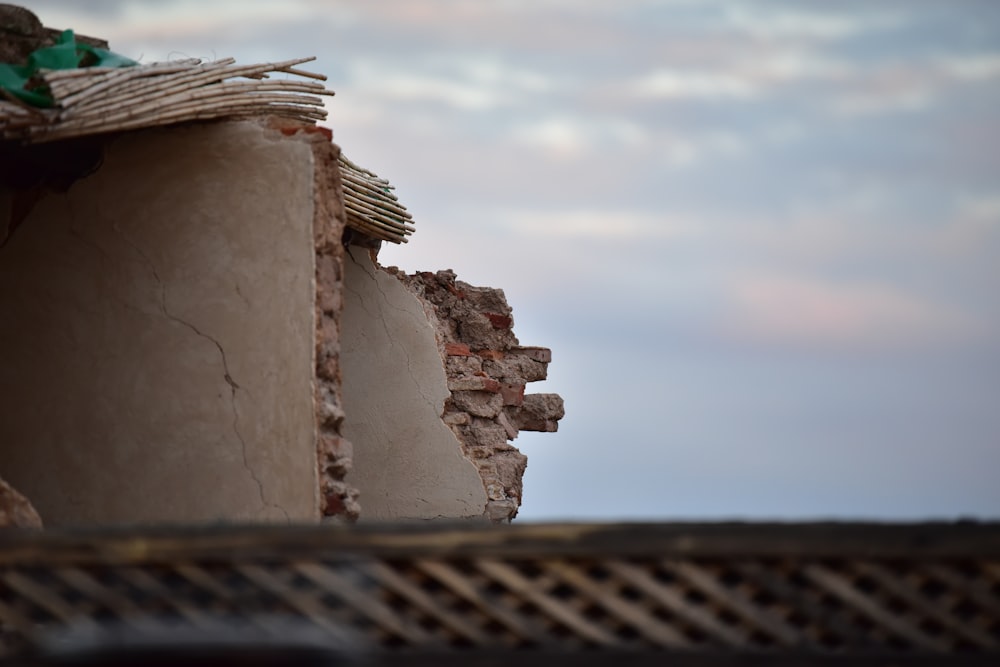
(560, 137)
(137, 21)
(804, 310)
(671, 84)
(903, 87)
(740, 74)
(981, 209)
(769, 23)
(469, 82)
(965, 236)
(976, 67)
(572, 137)
(972, 232)
(609, 225)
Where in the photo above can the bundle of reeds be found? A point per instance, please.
(93, 100)
(372, 208)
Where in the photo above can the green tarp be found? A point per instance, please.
(66, 53)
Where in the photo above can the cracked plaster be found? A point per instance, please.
(131, 373)
(407, 462)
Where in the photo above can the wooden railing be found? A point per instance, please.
(459, 594)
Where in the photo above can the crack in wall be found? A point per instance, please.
(239, 292)
(409, 362)
(103, 254)
(227, 376)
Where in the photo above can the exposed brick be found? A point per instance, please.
(477, 453)
(543, 406)
(522, 368)
(501, 510)
(308, 129)
(334, 453)
(513, 394)
(339, 467)
(510, 467)
(330, 414)
(541, 354)
(489, 437)
(474, 383)
(328, 368)
(455, 418)
(340, 499)
(328, 296)
(542, 425)
(500, 321)
(335, 446)
(460, 366)
(333, 504)
(487, 370)
(504, 421)
(475, 330)
(478, 403)
(457, 350)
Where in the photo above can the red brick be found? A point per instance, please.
(495, 355)
(540, 354)
(474, 383)
(328, 368)
(333, 505)
(543, 425)
(309, 129)
(513, 394)
(457, 350)
(499, 321)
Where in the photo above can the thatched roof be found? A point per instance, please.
(99, 100)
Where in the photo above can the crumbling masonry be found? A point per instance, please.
(179, 289)
(487, 372)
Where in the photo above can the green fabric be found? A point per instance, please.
(66, 53)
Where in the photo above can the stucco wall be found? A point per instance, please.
(488, 371)
(158, 333)
(407, 462)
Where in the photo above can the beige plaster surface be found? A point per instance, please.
(407, 463)
(157, 334)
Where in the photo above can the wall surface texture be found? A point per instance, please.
(487, 371)
(159, 330)
(407, 463)
(434, 390)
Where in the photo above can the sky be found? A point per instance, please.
(761, 238)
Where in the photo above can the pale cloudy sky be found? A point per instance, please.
(762, 238)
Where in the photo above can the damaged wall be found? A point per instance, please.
(407, 462)
(334, 453)
(434, 387)
(173, 323)
(159, 332)
(487, 371)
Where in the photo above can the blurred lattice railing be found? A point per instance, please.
(888, 594)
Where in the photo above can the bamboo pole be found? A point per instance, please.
(390, 217)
